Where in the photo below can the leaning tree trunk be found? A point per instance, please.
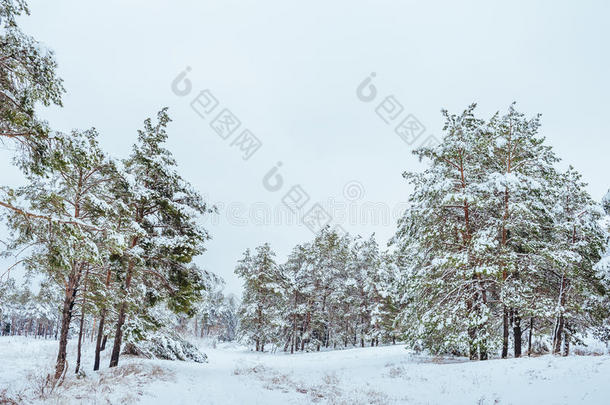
(118, 336)
(66, 317)
(98, 342)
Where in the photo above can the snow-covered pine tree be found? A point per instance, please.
(216, 313)
(165, 234)
(27, 77)
(488, 225)
(519, 171)
(305, 276)
(259, 313)
(606, 203)
(577, 245)
(389, 286)
(330, 255)
(603, 273)
(604, 264)
(348, 303)
(447, 238)
(73, 193)
(364, 274)
(296, 293)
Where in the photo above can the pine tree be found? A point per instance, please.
(389, 286)
(494, 232)
(73, 194)
(364, 275)
(604, 264)
(447, 236)
(165, 235)
(216, 314)
(258, 312)
(297, 291)
(27, 77)
(519, 172)
(578, 242)
(329, 255)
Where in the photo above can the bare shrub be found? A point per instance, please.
(396, 372)
(14, 399)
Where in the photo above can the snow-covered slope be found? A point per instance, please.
(381, 375)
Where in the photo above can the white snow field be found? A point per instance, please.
(234, 375)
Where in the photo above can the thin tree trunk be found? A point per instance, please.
(558, 336)
(558, 331)
(80, 341)
(118, 335)
(505, 333)
(529, 340)
(472, 334)
(82, 322)
(294, 327)
(483, 355)
(566, 338)
(93, 329)
(98, 342)
(517, 334)
(505, 217)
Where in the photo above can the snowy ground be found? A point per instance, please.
(234, 375)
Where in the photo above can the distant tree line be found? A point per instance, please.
(335, 291)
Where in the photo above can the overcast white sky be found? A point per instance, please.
(289, 71)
